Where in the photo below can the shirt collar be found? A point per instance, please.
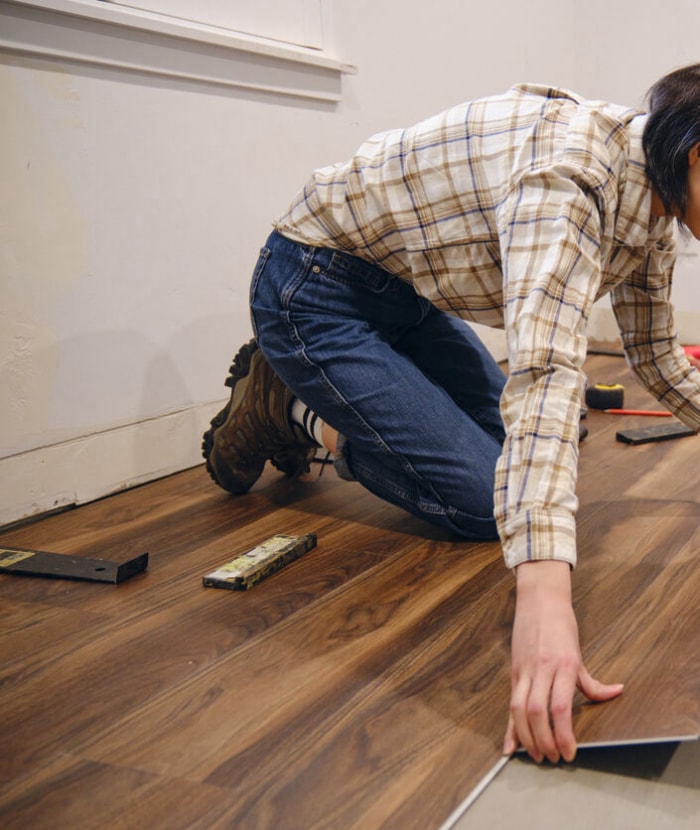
(635, 226)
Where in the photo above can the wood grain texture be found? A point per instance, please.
(364, 686)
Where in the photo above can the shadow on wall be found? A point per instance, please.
(121, 410)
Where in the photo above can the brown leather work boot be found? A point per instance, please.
(254, 427)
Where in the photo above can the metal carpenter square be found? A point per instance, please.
(62, 566)
(260, 562)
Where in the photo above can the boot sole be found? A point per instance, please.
(292, 464)
(238, 369)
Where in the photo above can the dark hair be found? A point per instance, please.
(671, 131)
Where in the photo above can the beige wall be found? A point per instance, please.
(133, 207)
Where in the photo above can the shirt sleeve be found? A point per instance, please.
(550, 232)
(642, 306)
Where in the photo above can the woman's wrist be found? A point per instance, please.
(550, 576)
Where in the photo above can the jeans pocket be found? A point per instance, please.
(349, 270)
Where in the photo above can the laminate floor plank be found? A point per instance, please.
(364, 686)
(648, 640)
(333, 649)
(131, 661)
(84, 795)
(418, 718)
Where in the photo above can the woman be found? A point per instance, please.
(516, 211)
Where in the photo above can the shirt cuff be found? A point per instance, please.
(543, 535)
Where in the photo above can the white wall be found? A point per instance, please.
(622, 47)
(133, 207)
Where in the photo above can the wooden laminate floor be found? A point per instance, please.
(366, 685)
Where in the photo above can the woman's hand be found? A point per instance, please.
(547, 666)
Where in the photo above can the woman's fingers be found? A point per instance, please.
(563, 690)
(541, 712)
(595, 690)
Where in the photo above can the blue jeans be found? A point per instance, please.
(412, 391)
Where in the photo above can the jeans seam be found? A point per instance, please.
(302, 355)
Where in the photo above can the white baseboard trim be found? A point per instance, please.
(602, 326)
(84, 469)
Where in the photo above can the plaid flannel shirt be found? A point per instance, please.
(519, 211)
